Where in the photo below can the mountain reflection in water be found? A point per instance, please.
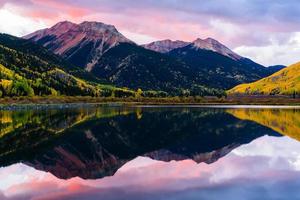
(150, 152)
(93, 143)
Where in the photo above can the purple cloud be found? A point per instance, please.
(236, 23)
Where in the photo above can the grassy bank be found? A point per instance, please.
(249, 100)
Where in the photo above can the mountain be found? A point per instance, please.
(81, 44)
(133, 66)
(214, 64)
(216, 46)
(108, 55)
(171, 66)
(165, 46)
(209, 44)
(275, 68)
(284, 82)
(28, 69)
(217, 66)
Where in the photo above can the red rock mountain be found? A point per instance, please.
(82, 43)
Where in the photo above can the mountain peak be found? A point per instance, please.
(206, 42)
(97, 26)
(88, 29)
(64, 24)
(61, 27)
(69, 39)
(165, 46)
(211, 40)
(214, 45)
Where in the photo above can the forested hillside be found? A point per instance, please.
(28, 70)
(284, 82)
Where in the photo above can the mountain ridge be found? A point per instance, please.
(165, 46)
(73, 41)
(214, 45)
(112, 57)
(29, 70)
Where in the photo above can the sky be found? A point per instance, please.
(267, 31)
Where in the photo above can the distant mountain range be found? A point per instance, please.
(283, 82)
(171, 66)
(219, 70)
(210, 44)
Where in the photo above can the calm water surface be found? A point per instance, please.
(150, 153)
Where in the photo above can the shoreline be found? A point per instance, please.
(39, 102)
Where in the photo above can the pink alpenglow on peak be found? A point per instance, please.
(216, 46)
(56, 30)
(165, 46)
(72, 40)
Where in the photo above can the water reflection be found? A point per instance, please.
(283, 121)
(93, 143)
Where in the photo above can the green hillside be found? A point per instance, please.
(284, 82)
(28, 70)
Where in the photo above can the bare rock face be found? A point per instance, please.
(82, 44)
(216, 46)
(165, 46)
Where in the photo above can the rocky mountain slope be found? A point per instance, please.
(28, 69)
(82, 44)
(165, 46)
(214, 64)
(217, 66)
(216, 46)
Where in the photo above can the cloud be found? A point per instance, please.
(12, 23)
(248, 26)
(276, 52)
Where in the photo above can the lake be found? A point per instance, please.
(150, 152)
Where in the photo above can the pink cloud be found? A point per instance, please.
(159, 178)
(185, 21)
(233, 22)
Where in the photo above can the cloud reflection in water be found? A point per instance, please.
(267, 168)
